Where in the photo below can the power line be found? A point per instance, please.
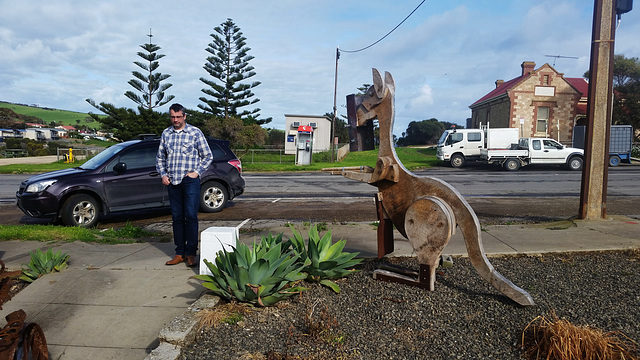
(389, 33)
(335, 88)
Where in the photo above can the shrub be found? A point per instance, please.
(258, 275)
(43, 263)
(325, 261)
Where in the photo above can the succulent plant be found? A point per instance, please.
(43, 263)
(325, 261)
(257, 275)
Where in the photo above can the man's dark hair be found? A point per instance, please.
(177, 108)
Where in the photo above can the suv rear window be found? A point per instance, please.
(216, 150)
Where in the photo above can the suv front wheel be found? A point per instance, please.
(80, 210)
(213, 197)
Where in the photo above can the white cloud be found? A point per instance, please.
(422, 99)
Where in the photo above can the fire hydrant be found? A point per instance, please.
(69, 156)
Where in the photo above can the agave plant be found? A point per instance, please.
(257, 275)
(325, 261)
(43, 263)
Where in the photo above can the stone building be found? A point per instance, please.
(540, 102)
(321, 132)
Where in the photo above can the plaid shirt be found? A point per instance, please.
(182, 152)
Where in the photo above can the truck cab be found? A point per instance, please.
(460, 146)
(465, 145)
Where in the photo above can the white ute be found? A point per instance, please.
(534, 151)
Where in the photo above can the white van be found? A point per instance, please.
(464, 145)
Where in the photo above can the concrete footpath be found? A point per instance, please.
(122, 302)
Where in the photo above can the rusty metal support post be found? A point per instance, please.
(361, 138)
(385, 231)
(593, 192)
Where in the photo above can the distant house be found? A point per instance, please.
(34, 125)
(540, 102)
(67, 128)
(321, 132)
(10, 133)
(45, 134)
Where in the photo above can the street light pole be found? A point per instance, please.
(335, 109)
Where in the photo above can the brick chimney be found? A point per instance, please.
(499, 82)
(528, 67)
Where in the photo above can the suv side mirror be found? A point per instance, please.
(120, 168)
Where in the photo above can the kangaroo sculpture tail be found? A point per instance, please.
(426, 210)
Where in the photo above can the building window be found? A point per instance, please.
(542, 120)
(545, 80)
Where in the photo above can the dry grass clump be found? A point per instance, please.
(555, 338)
(228, 313)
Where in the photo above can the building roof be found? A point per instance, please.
(501, 89)
(581, 84)
(66, 127)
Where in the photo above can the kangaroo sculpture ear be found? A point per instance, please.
(378, 85)
(388, 80)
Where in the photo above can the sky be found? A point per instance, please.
(443, 58)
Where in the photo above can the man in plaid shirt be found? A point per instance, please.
(183, 155)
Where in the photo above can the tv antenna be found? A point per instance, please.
(556, 57)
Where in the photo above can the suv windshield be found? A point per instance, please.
(103, 156)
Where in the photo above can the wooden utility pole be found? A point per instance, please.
(593, 192)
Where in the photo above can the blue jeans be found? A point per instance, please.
(184, 201)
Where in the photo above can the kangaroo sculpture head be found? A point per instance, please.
(377, 93)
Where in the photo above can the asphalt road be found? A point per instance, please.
(528, 195)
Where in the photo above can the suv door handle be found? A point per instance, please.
(154, 173)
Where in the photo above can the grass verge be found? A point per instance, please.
(411, 158)
(44, 233)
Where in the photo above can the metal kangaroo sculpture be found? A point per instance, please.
(424, 209)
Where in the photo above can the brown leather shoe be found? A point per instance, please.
(176, 260)
(191, 261)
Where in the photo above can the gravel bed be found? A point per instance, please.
(464, 318)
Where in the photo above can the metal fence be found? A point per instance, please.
(78, 153)
(264, 156)
(277, 156)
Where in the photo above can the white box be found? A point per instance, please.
(214, 239)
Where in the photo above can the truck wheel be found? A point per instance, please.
(614, 160)
(512, 164)
(80, 210)
(575, 163)
(457, 161)
(213, 197)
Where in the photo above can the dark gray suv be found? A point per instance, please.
(124, 177)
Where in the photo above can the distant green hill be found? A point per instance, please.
(48, 115)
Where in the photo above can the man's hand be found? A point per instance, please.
(165, 180)
(192, 174)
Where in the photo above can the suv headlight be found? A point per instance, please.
(39, 186)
